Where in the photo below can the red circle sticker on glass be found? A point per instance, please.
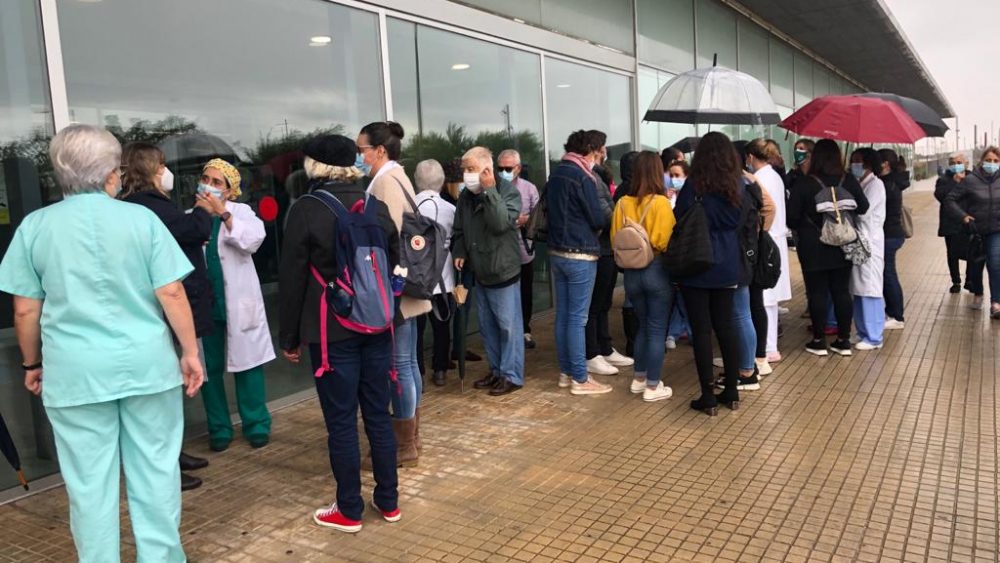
(418, 242)
(268, 208)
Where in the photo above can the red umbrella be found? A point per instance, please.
(856, 120)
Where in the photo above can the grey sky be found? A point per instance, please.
(957, 45)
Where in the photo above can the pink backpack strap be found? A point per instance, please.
(325, 362)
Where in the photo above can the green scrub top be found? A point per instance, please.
(215, 277)
(96, 263)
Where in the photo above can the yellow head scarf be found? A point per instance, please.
(230, 172)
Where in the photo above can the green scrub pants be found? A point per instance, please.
(143, 433)
(251, 399)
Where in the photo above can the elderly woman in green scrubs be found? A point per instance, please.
(92, 280)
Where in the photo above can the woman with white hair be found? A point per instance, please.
(429, 177)
(92, 279)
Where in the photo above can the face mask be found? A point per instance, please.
(991, 167)
(677, 183)
(801, 156)
(359, 163)
(472, 182)
(508, 176)
(858, 169)
(957, 168)
(206, 189)
(167, 180)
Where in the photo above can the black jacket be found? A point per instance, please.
(947, 225)
(309, 240)
(978, 195)
(893, 226)
(801, 215)
(191, 231)
(625, 165)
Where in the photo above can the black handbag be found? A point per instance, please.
(767, 269)
(690, 251)
(975, 252)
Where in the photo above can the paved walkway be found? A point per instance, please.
(886, 456)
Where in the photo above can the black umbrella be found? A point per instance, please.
(10, 452)
(687, 144)
(926, 118)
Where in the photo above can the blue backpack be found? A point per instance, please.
(361, 296)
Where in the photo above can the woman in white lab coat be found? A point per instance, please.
(241, 341)
(866, 279)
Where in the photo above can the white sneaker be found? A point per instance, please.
(565, 381)
(618, 359)
(893, 324)
(976, 304)
(589, 387)
(671, 343)
(763, 367)
(599, 366)
(717, 362)
(864, 345)
(638, 385)
(661, 392)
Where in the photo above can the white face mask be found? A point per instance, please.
(167, 180)
(471, 180)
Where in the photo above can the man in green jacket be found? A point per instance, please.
(485, 240)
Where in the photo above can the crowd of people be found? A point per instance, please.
(112, 281)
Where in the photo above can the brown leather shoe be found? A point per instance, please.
(416, 432)
(488, 382)
(406, 452)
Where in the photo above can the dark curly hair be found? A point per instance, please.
(716, 168)
(452, 170)
(585, 142)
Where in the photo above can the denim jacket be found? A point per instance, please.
(576, 213)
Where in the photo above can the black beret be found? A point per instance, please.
(335, 150)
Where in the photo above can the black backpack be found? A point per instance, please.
(761, 257)
(422, 251)
(690, 251)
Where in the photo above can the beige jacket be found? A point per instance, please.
(386, 189)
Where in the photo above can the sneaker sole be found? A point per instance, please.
(841, 352)
(817, 352)
(340, 527)
(590, 391)
(639, 392)
(655, 399)
(390, 519)
(564, 385)
(749, 387)
(622, 364)
(765, 373)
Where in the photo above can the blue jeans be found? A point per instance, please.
(502, 329)
(411, 385)
(652, 295)
(678, 324)
(574, 284)
(744, 328)
(360, 376)
(993, 265)
(869, 318)
(892, 290)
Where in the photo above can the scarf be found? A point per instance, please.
(580, 161)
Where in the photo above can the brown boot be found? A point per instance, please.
(406, 453)
(416, 433)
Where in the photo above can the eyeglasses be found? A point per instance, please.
(506, 168)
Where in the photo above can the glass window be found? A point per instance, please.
(716, 34)
(803, 80)
(605, 22)
(655, 136)
(821, 80)
(581, 97)
(25, 131)
(782, 83)
(666, 33)
(753, 57)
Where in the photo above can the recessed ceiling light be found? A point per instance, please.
(320, 40)
(563, 85)
(459, 66)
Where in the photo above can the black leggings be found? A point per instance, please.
(820, 287)
(440, 360)
(597, 331)
(527, 293)
(759, 316)
(708, 310)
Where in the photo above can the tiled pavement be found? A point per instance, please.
(886, 456)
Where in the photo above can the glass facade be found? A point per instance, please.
(25, 174)
(250, 80)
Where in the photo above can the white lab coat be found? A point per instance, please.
(866, 279)
(770, 180)
(248, 337)
(432, 205)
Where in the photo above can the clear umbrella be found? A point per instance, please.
(716, 95)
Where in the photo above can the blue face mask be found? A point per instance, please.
(206, 189)
(858, 170)
(677, 183)
(957, 168)
(991, 167)
(508, 176)
(359, 163)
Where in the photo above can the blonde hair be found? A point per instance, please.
(479, 154)
(323, 171)
(142, 162)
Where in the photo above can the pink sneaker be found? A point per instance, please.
(388, 515)
(773, 357)
(331, 517)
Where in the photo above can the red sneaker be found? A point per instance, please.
(331, 517)
(388, 515)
